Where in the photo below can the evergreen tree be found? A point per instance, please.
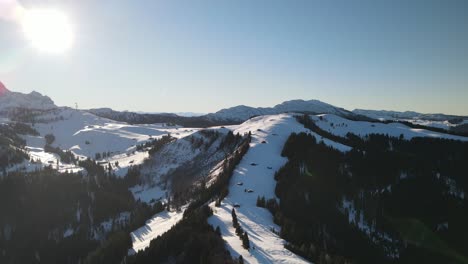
(235, 223)
(245, 240)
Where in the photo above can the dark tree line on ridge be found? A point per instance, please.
(193, 240)
(384, 179)
(37, 209)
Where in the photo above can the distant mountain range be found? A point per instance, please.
(241, 113)
(106, 186)
(395, 115)
(233, 115)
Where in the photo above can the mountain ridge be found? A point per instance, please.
(232, 115)
(34, 100)
(392, 115)
(243, 112)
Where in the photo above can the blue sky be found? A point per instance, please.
(202, 56)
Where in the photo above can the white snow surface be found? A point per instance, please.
(86, 134)
(154, 227)
(340, 127)
(156, 171)
(273, 130)
(48, 159)
(148, 193)
(257, 222)
(430, 120)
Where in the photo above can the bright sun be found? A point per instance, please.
(48, 30)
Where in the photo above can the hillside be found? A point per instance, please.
(289, 177)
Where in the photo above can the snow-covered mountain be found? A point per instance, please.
(183, 114)
(34, 100)
(228, 116)
(396, 115)
(443, 121)
(196, 154)
(255, 172)
(387, 115)
(340, 126)
(242, 113)
(152, 118)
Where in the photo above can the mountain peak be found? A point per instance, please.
(241, 112)
(33, 100)
(3, 89)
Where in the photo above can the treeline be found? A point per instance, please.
(310, 188)
(114, 248)
(219, 189)
(192, 240)
(12, 144)
(350, 139)
(189, 182)
(36, 210)
(137, 118)
(65, 156)
(382, 178)
(155, 145)
(33, 116)
(51, 217)
(451, 131)
(244, 237)
(310, 124)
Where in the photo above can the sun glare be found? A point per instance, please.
(48, 30)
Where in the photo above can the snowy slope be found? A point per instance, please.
(86, 134)
(158, 174)
(273, 130)
(154, 227)
(239, 113)
(388, 115)
(183, 157)
(258, 222)
(432, 120)
(340, 126)
(44, 158)
(437, 124)
(393, 115)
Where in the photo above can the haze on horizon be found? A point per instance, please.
(201, 56)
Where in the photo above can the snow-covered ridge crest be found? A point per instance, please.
(395, 115)
(340, 126)
(242, 112)
(441, 121)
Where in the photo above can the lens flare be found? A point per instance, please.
(10, 10)
(48, 30)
